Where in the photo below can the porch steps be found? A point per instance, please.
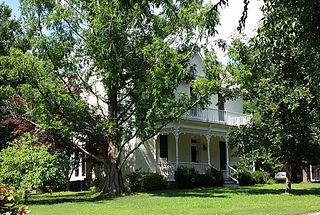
(229, 182)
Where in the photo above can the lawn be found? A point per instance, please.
(259, 199)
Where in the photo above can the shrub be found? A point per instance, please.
(260, 177)
(25, 166)
(9, 203)
(144, 181)
(94, 189)
(189, 178)
(185, 177)
(215, 176)
(271, 181)
(246, 179)
(203, 180)
(133, 182)
(153, 181)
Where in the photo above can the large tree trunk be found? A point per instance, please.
(288, 178)
(114, 181)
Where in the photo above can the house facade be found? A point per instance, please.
(198, 139)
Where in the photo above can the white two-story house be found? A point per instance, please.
(198, 139)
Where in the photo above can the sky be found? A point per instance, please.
(229, 19)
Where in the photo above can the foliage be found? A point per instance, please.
(26, 166)
(9, 202)
(270, 181)
(246, 178)
(260, 177)
(93, 189)
(186, 177)
(278, 68)
(144, 181)
(251, 142)
(12, 36)
(216, 177)
(111, 71)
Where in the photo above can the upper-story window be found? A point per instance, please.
(196, 110)
(221, 108)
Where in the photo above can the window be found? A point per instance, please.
(196, 110)
(83, 164)
(221, 101)
(163, 146)
(77, 160)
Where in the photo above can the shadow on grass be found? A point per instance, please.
(218, 192)
(196, 193)
(56, 198)
(227, 192)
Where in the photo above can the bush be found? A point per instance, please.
(94, 189)
(189, 178)
(260, 177)
(9, 203)
(133, 182)
(271, 181)
(153, 181)
(26, 166)
(185, 177)
(203, 180)
(246, 179)
(216, 177)
(144, 181)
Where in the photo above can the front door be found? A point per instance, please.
(223, 157)
(194, 154)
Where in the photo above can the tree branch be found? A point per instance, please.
(157, 130)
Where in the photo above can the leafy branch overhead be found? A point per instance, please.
(107, 73)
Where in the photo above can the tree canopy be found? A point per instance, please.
(279, 69)
(103, 73)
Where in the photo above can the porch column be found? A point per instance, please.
(176, 133)
(227, 153)
(208, 137)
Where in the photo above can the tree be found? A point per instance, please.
(12, 35)
(26, 166)
(279, 70)
(108, 71)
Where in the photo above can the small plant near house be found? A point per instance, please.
(260, 177)
(246, 178)
(144, 181)
(270, 181)
(186, 177)
(216, 177)
(9, 202)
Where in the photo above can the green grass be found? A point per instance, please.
(260, 199)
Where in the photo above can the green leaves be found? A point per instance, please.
(278, 70)
(26, 166)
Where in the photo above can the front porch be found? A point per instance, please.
(200, 149)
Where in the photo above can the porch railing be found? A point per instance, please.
(233, 174)
(217, 116)
(167, 169)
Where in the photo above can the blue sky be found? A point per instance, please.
(14, 5)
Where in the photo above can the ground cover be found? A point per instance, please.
(259, 199)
